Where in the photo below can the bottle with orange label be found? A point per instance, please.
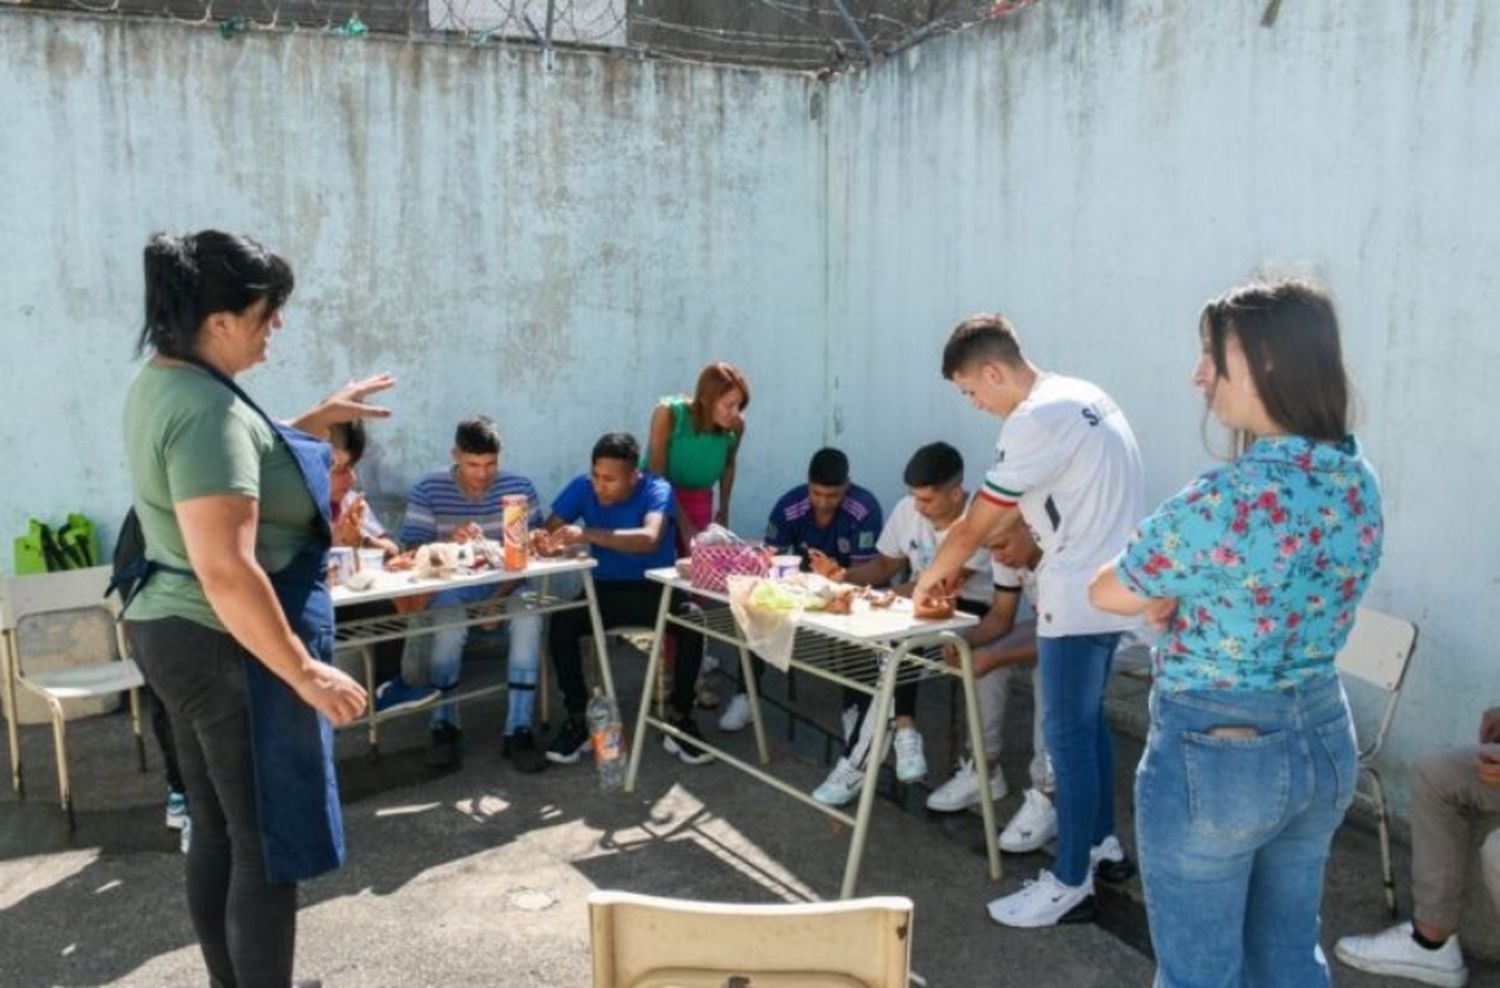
(515, 511)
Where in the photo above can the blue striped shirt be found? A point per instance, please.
(436, 506)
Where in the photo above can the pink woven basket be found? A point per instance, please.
(712, 565)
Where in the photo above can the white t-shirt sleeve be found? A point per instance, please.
(1006, 577)
(1027, 456)
(897, 531)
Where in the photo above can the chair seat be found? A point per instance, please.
(78, 682)
(699, 977)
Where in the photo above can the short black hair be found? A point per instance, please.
(828, 467)
(617, 446)
(190, 278)
(477, 435)
(934, 465)
(979, 339)
(349, 437)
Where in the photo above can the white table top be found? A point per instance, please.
(863, 625)
(389, 585)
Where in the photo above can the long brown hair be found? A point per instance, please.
(714, 382)
(1290, 334)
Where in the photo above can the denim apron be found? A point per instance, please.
(296, 791)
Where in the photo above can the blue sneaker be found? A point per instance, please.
(177, 812)
(394, 695)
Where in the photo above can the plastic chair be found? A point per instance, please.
(26, 599)
(1378, 652)
(642, 941)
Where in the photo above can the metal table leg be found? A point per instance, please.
(881, 711)
(653, 662)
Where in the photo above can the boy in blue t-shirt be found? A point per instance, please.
(625, 517)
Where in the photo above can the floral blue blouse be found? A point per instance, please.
(1268, 558)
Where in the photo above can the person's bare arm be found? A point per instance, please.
(984, 523)
(875, 572)
(344, 405)
(640, 541)
(219, 532)
(1109, 594)
(726, 481)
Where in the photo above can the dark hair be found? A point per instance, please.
(714, 382)
(617, 446)
(829, 467)
(1290, 335)
(934, 465)
(190, 278)
(477, 435)
(349, 437)
(981, 338)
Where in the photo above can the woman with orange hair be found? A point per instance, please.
(693, 446)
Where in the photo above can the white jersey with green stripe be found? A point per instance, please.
(1068, 460)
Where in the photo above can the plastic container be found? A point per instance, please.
(608, 735)
(782, 566)
(341, 562)
(371, 560)
(515, 511)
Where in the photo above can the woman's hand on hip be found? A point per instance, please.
(332, 693)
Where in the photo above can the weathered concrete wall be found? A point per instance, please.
(1099, 170)
(556, 250)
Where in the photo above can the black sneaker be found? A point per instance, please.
(571, 741)
(689, 752)
(521, 749)
(445, 749)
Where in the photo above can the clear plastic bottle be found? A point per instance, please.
(608, 735)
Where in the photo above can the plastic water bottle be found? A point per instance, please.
(608, 735)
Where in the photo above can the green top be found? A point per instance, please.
(188, 436)
(695, 460)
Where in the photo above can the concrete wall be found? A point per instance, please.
(1098, 171)
(559, 249)
(556, 250)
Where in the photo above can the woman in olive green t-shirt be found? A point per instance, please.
(693, 445)
(227, 509)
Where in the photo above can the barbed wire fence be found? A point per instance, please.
(809, 35)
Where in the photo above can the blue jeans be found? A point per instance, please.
(445, 653)
(1074, 671)
(1233, 829)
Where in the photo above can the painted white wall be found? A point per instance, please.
(559, 249)
(555, 250)
(1099, 171)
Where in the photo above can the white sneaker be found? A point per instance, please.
(177, 811)
(710, 663)
(737, 714)
(1393, 952)
(1034, 824)
(962, 791)
(1107, 859)
(1045, 902)
(911, 764)
(841, 786)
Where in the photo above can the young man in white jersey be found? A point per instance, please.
(918, 524)
(1067, 466)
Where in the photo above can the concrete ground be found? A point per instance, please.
(479, 876)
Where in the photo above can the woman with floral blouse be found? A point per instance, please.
(1254, 572)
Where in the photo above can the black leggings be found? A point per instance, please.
(623, 602)
(161, 726)
(247, 927)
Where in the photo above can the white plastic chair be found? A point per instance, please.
(1378, 652)
(641, 941)
(45, 597)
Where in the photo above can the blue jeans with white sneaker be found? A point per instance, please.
(445, 657)
(1074, 670)
(1237, 798)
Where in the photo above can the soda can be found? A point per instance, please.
(515, 511)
